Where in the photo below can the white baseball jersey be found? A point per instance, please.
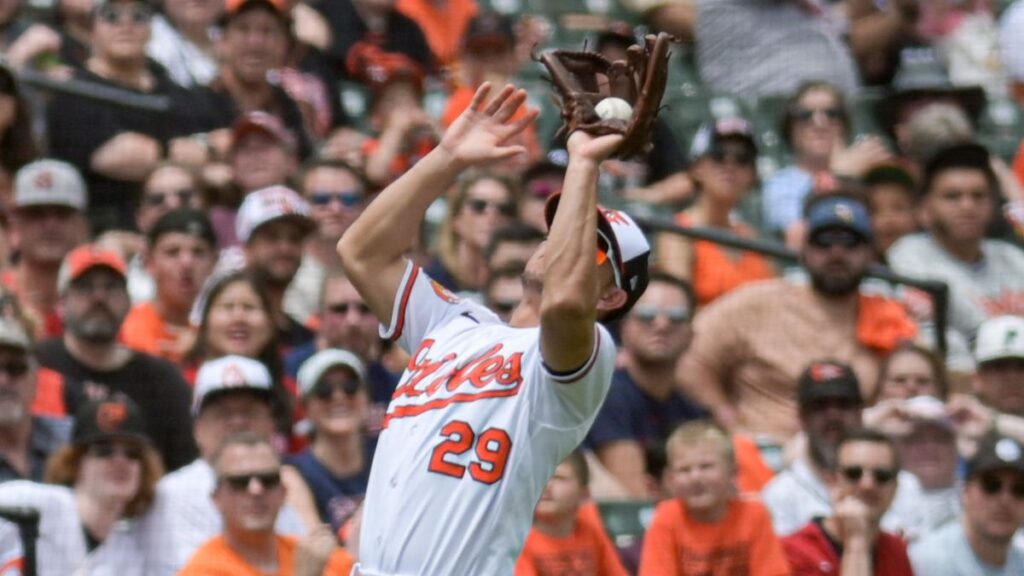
(474, 431)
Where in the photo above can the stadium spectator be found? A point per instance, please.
(999, 353)
(483, 203)
(99, 486)
(504, 290)
(563, 539)
(851, 540)
(183, 41)
(336, 194)
(273, 224)
(233, 395)
(263, 152)
(357, 23)
(26, 439)
(890, 193)
(336, 466)
(982, 541)
(540, 181)
(254, 43)
(642, 406)
(816, 125)
(1011, 40)
(17, 143)
(936, 125)
(830, 407)
(724, 169)
(181, 254)
(443, 23)
(706, 527)
(985, 276)
(912, 370)
(48, 220)
(512, 245)
(113, 144)
(249, 495)
(74, 25)
(750, 345)
(92, 363)
(347, 323)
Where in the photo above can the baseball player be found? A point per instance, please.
(485, 411)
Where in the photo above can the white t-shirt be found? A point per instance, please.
(474, 431)
(61, 549)
(947, 553)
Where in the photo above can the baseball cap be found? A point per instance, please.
(838, 211)
(13, 335)
(711, 134)
(230, 374)
(827, 379)
(85, 258)
(259, 122)
(996, 452)
(114, 417)
(184, 221)
(268, 205)
(967, 155)
(233, 8)
(49, 182)
(489, 29)
(313, 369)
(622, 239)
(378, 68)
(998, 338)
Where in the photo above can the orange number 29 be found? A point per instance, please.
(492, 449)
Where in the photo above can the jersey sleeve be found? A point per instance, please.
(573, 398)
(421, 304)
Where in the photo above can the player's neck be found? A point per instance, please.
(342, 454)
(561, 527)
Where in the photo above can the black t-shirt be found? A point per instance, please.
(403, 34)
(77, 126)
(153, 383)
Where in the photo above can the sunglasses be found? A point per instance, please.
(479, 206)
(648, 314)
(241, 482)
(991, 485)
(842, 238)
(881, 476)
(134, 14)
(343, 308)
(801, 114)
(348, 198)
(14, 368)
(504, 306)
(325, 390)
(184, 196)
(741, 157)
(105, 450)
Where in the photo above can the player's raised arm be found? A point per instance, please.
(574, 284)
(372, 250)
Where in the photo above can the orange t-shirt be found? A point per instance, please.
(753, 472)
(742, 542)
(146, 331)
(716, 270)
(588, 550)
(216, 558)
(444, 24)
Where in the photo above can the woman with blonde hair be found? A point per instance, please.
(100, 484)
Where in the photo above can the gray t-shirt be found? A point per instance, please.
(947, 553)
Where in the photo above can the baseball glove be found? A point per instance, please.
(583, 79)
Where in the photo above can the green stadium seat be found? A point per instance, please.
(1001, 128)
(626, 521)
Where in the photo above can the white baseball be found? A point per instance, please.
(613, 109)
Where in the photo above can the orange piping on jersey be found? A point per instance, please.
(405, 302)
(585, 369)
(416, 410)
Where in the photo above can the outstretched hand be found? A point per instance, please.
(586, 146)
(482, 133)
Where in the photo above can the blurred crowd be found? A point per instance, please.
(189, 383)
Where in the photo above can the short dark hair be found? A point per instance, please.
(934, 361)
(248, 439)
(963, 156)
(333, 164)
(658, 275)
(515, 233)
(872, 437)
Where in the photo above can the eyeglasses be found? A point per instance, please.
(241, 482)
(343, 308)
(135, 13)
(348, 198)
(881, 476)
(479, 206)
(741, 157)
(105, 450)
(842, 238)
(14, 368)
(325, 390)
(991, 485)
(155, 199)
(801, 114)
(648, 314)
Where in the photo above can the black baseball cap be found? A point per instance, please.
(828, 379)
(186, 221)
(489, 29)
(996, 452)
(115, 417)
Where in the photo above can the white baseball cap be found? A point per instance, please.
(998, 338)
(317, 365)
(229, 374)
(12, 335)
(269, 204)
(49, 183)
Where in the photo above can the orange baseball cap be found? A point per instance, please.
(234, 7)
(85, 258)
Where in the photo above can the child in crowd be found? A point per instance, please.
(707, 528)
(564, 539)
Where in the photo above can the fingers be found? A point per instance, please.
(521, 124)
(480, 97)
(499, 100)
(510, 106)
